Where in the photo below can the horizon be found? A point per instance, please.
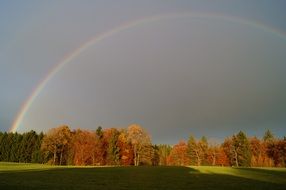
(210, 140)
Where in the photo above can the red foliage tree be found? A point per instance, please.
(179, 155)
(85, 148)
(125, 149)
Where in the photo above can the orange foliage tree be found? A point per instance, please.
(85, 145)
(179, 155)
(125, 149)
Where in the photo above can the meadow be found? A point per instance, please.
(37, 176)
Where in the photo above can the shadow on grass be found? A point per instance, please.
(128, 178)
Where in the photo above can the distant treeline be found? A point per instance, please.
(132, 146)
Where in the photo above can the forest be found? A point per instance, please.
(133, 146)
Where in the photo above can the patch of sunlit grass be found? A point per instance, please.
(274, 175)
(9, 166)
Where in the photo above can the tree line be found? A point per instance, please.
(133, 146)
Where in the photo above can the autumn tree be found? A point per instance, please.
(149, 155)
(283, 151)
(179, 155)
(256, 150)
(212, 155)
(277, 151)
(132, 146)
(125, 149)
(84, 146)
(227, 147)
(56, 142)
(221, 157)
(164, 151)
(259, 156)
(139, 140)
(155, 160)
(269, 142)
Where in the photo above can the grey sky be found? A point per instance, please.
(174, 77)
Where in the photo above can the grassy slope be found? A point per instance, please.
(35, 176)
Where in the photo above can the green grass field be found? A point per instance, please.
(36, 176)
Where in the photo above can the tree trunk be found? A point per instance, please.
(61, 157)
(134, 159)
(135, 156)
(138, 159)
(236, 158)
(93, 159)
(55, 154)
(214, 160)
(198, 158)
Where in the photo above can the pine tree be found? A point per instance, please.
(4, 149)
(1, 145)
(242, 151)
(37, 153)
(268, 136)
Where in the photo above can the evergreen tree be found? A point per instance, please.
(4, 149)
(14, 153)
(37, 153)
(27, 146)
(1, 144)
(241, 150)
(112, 148)
(99, 132)
(8, 144)
(203, 146)
(268, 136)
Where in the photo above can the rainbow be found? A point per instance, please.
(125, 26)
